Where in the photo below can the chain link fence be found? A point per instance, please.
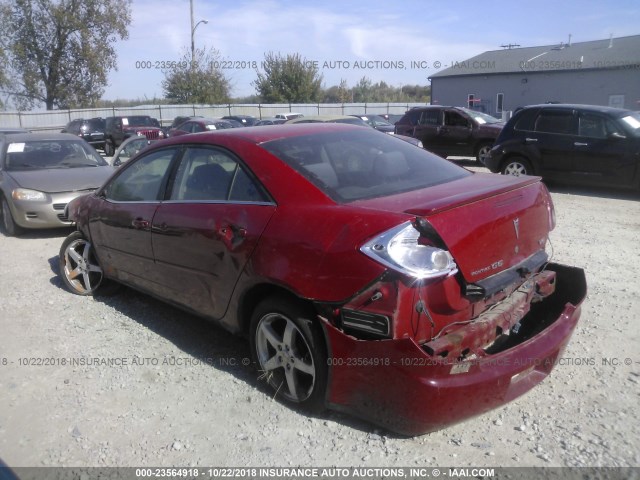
(57, 119)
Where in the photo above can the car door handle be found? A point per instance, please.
(141, 223)
(530, 140)
(580, 144)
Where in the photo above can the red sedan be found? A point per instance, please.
(370, 276)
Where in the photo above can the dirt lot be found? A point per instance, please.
(185, 398)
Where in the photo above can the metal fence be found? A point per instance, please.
(57, 119)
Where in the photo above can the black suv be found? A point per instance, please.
(449, 131)
(118, 129)
(91, 130)
(583, 144)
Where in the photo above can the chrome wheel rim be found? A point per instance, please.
(516, 169)
(285, 357)
(483, 153)
(81, 268)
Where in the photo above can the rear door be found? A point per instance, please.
(204, 233)
(554, 135)
(428, 130)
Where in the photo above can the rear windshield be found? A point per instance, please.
(45, 154)
(363, 163)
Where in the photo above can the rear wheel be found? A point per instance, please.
(289, 350)
(483, 152)
(79, 266)
(517, 166)
(11, 228)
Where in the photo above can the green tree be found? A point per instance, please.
(61, 51)
(288, 79)
(203, 82)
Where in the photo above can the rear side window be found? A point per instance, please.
(556, 121)
(210, 174)
(525, 120)
(430, 117)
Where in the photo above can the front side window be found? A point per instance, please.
(211, 174)
(454, 119)
(142, 180)
(593, 126)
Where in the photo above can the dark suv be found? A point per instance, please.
(449, 131)
(583, 144)
(118, 129)
(91, 130)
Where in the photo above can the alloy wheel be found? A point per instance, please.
(80, 267)
(285, 357)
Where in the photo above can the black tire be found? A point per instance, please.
(79, 267)
(517, 166)
(10, 227)
(482, 151)
(109, 148)
(295, 367)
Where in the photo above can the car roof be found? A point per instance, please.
(577, 106)
(27, 137)
(319, 118)
(263, 134)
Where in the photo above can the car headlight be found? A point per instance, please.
(400, 249)
(27, 195)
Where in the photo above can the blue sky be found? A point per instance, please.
(352, 39)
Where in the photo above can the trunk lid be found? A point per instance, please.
(488, 222)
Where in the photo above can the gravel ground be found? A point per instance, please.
(186, 399)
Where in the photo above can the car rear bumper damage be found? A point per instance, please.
(411, 389)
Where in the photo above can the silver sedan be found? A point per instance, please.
(40, 174)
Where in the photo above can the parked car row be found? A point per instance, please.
(369, 275)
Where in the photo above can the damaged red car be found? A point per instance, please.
(370, 276)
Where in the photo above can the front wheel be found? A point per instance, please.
(289, 350)
(79, 266)
(11, 228)
(109, 148)
(517, 166)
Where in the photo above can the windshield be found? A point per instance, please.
(632, 123)
(140, 121)
(480, 117)
(358, 164)
(45, 154)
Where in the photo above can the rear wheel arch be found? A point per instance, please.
(256, 294)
